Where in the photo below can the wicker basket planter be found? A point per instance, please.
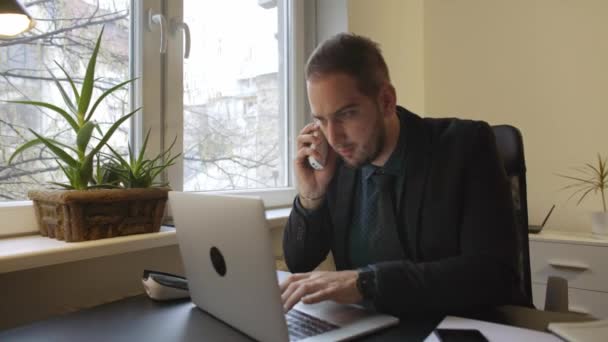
(75, 215)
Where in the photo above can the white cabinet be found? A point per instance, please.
(579, 258)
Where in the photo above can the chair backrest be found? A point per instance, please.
(510, 146)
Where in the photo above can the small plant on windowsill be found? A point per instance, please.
(592, 178)
(95, 203)
(137, 172)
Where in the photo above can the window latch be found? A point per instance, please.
(158, 19)
(176, 26)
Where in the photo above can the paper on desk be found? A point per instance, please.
(594, 331)
(492, 331)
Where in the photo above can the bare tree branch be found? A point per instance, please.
(65, 29)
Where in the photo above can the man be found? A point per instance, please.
(416, 212)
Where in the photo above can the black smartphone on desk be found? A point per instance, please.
(460, 335)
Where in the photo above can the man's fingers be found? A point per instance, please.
(319, 296)
(293, 299)
(292, 279)
(301, 289)
(307, 151)
(306, 140)
(309, 128)
(289, 290)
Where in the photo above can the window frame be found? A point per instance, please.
(18, 216)
(299, 32)
(151, 93)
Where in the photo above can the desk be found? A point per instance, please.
(141, 319)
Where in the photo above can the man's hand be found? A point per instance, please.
(315, 287)
(312, 184)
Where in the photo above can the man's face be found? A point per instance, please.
(351, 121)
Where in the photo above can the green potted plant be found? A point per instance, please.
(137, 171)
(592, 178)
(94, 203)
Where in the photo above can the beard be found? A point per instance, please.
(369, 150)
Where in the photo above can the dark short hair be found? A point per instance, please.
(353, 55)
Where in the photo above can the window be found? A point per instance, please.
(232, 106)
(64, 35)
(234, 123)
(239, 96)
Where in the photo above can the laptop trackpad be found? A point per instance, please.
(334, 313)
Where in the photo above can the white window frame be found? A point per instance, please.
(149, 92)
(299, 33)
(17, 217)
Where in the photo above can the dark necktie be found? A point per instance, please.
(384, 243)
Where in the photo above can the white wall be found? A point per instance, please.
(397, 25)
(540, 65)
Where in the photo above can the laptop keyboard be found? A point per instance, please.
(301, 325)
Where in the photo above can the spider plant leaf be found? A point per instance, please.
(577, 179)
(64, 94)
(111, 131)
(89, 79)
(116, 156)
(140, 156)
(578, 191)
(22, 148)
(596, 171)
(575, 186)
(584, 195)
(130, 153)
(603, 171)
(84, 136)
(159, 169)
(65, 146)
(106, 93)
(67, 173)
(33, 143)
(71, 81)
(57, 150)
(99, 131)
(61, 112)
(65, 186)
(85, 172)
(97, 174)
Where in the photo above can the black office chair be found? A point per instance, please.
(510, 146)
(511, 149)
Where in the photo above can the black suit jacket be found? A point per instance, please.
(456, 224)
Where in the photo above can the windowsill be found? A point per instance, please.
(31, 251)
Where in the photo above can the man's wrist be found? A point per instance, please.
(366, 282)
(310, 203)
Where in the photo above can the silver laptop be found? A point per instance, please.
(226, 249)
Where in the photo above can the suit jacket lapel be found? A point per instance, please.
(418, 158)
(343, 210)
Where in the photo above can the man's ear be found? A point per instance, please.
(388, 98)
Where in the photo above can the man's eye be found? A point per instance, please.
(347, 114)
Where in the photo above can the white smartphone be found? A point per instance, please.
(322, 149)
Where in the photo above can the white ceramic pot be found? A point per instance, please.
(599, 224)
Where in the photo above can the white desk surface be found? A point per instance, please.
(492, 331)
(562, 236)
